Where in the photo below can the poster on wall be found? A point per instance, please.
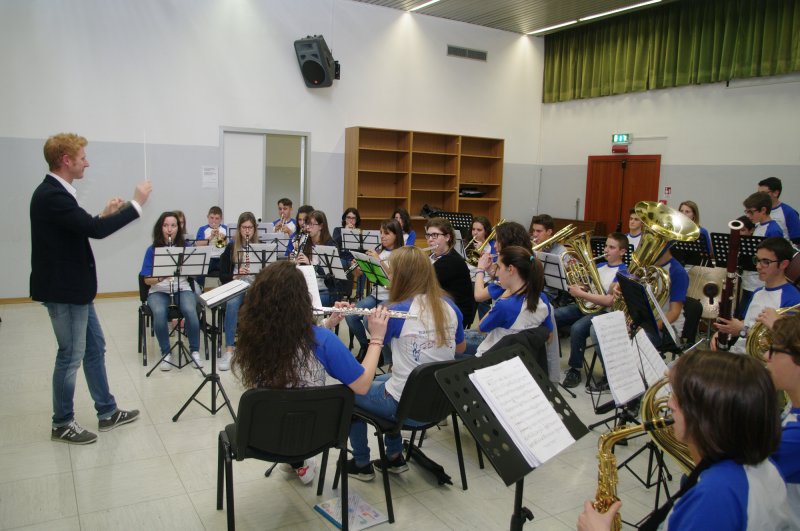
(210, 175)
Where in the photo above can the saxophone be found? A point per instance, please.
(607, 464)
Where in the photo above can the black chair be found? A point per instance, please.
(286, 426)
(423, 401)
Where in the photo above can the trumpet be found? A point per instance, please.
(394, 314)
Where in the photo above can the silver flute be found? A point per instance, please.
(363, 311)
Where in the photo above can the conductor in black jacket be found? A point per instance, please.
(64, 279)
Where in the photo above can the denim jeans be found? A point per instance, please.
(159, 305)
(80, 339)
(232, 318)
(580, 326)
(473, 339)
(382, 404)
(358, 323)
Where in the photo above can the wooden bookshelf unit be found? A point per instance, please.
(387, 169)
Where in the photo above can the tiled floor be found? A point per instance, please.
(158, 474)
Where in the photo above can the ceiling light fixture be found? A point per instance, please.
(426, 4)
(590, 17)
(549, 28)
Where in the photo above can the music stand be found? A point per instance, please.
(493, 440)
(360, 240)
(747, 249)
(258, 255)
(598, 244)
(554, 275)
(372, 269)
(329, 266)
(461, 221)
(459, 247)
(280, 239)
(264, 228)
(179, 262)
(692, 253)
(214, 299)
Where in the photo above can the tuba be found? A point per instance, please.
(474, 253)
(558, 237)
(759, 337)
(661, 224)
(581, 270)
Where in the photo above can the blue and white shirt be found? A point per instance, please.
(634, 240)
(679, 286)
(608, 274)
(787, 219)
(769, 229)
(332, 358)
(509, 316)
(733, 497)
(413, 341)
(777, 297)
(787, 459)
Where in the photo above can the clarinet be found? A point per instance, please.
(731, 280)
(171, 287)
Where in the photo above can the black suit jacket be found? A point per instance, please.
(62, 263)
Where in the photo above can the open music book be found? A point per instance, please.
(619, 357)
(523, 410)
(372, 269)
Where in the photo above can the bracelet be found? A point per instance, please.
(376, 342)
(480, 271)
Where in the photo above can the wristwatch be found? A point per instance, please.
(743, 331)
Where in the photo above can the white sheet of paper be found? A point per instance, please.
(523, 410)
(619, 357)
(651, 364)
(210, 176)
(226, 291)
(311, 280)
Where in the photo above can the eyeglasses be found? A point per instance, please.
(313, 224)
(773, 350)
(246, 227)
(431, 235)
(763, 261)
(350, 217)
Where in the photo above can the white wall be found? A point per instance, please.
(175, 71)
(716, 143)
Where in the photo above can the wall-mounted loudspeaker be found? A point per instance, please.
(316, 62)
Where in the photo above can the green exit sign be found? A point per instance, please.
(621, 138)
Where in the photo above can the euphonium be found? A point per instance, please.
(474, 253)
(661, 224)
(607, 464)
(654, 406)
(581, 270)
(558, 237)
(759, 337)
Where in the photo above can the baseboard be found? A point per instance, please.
(110, 295)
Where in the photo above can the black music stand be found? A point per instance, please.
(492, 438)
(598, 244)
(213, 300)
(747, 249)
(280, 239)
(329, 267)
(179, 262)
(461, 221)
(360, 240)
(692, 253)
(554, 275)
(258, 255)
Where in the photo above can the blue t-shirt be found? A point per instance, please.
(201, 232)
(787, 459)
(788, 219)
(411, 237)
(732, 497)
(705, 237)
(335, 358)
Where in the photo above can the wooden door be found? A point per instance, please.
(615, 183)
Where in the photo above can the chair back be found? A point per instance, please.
(692, 312)
(293, 422)
(423, 399)
(144, 289)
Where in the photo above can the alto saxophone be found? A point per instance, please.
(607, 464)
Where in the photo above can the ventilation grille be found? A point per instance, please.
(466, 53)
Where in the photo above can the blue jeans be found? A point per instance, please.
(382, 404)
(80, 339)
(232, 318)
(159, 305)
(358, 323)
(473, 338)
(580, 326)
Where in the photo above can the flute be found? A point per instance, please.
(363, 311)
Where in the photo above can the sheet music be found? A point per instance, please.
(329, 255)
(523, 410)
(554, 276)
(651, 364)
(660, 311)
(223, 293)
(619, 357)
(311, 280)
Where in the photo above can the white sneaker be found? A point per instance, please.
(165, 364)
(307, 472)
(198, 361)
(224, 363)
